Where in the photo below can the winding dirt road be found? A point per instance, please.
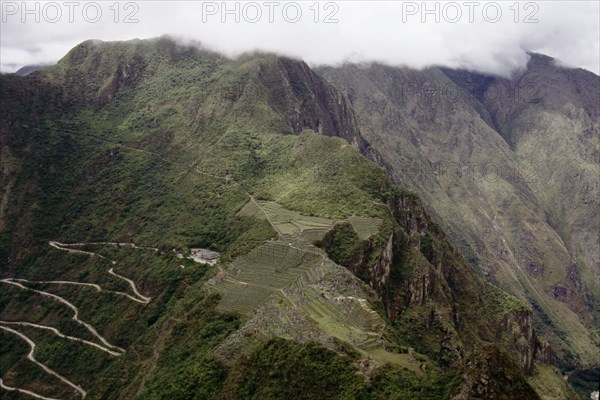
(117, 244)
(43, 366)
(75, 317)
(67, 247)
(61, 246)
(62, 335)
(143, 300)
(106, 347)
(24, 391)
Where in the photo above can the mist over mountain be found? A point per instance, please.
(179, 224)
(487, 37)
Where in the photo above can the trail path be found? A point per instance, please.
(60, 334)
(24, 391)
(30, 357)
(296, 247)
(126, 146)
(266, 287)
(144, 299)
(75, 317)
(95, 286)
(247, 194)
(68, 248)
(222, 178)
(287, 297)
(117, 244)
(266, 215)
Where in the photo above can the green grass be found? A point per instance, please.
(548, 382)
(365, 227)
(263, 271)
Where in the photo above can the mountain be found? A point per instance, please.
(126, 161)
(28, 69)
(509, 168)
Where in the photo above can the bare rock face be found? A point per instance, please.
(544, 353)
(526, 341)
(412, 215)
(380, 271)
(308, 100)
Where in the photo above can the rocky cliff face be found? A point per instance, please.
(424, 282)
(308, 101)
(461, 287)
(94, 72)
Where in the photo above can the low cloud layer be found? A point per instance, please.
(490, 37)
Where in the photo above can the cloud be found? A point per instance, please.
(485, 36)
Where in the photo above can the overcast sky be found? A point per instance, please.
(480, 35)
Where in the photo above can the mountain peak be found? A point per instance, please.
(538, 60)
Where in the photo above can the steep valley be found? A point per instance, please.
(510, 169)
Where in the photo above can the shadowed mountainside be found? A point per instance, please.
(510, 169)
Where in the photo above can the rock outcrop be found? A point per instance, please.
(424, 282)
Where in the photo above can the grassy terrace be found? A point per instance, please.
(293, 224)
(251, 279)
(300, 278)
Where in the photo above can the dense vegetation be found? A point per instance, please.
(167, 162)
(585, 381)
(342, 243)
(162, 145)
(280, 369)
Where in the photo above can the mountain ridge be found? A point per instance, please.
(433, 149)
(146, 118)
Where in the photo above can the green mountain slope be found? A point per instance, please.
(123, 158)
(509, 168)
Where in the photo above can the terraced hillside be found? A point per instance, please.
(125, 155)
(252, 278)
(289, 280)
